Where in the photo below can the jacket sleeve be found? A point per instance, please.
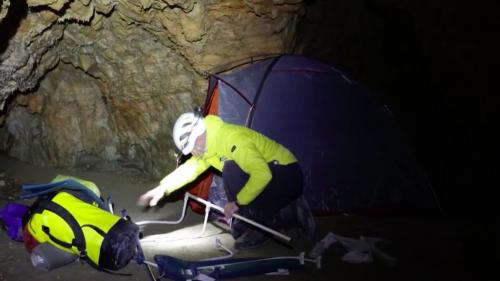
(250, 160)
(184, 174)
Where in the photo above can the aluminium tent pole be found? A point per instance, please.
(249, 221)
(209, 206)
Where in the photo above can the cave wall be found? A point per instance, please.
(98, 83)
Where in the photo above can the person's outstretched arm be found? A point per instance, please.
(178, 178)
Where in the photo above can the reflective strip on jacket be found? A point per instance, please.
(86, 215)
(251, 150)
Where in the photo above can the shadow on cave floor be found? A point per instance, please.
(426, 249)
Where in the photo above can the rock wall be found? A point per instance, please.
(99, 83)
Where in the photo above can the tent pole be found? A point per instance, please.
(249, 221)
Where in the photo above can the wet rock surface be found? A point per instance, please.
(97, 84)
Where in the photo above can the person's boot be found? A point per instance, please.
(250, 239)
(238, 228)
(305, 218)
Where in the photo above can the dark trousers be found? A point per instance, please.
(285, 187)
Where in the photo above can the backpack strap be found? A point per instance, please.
(78, 241)
(96, 229)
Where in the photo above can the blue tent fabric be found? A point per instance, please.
(351, 151)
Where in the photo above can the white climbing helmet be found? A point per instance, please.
(187, 128)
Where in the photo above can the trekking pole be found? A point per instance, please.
(249, 221)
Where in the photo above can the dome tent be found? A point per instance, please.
(352, 154)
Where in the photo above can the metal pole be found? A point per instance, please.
(256, 224)
(221, 210)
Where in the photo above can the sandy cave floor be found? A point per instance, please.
(426, 249)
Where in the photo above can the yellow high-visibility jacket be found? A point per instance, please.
(250, 150)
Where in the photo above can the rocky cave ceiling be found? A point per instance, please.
(98, 83)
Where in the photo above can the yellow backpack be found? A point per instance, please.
(71, 216)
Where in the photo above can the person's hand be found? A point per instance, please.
(151, 197)
(230, 208)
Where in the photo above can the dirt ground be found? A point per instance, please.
(425, 248)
